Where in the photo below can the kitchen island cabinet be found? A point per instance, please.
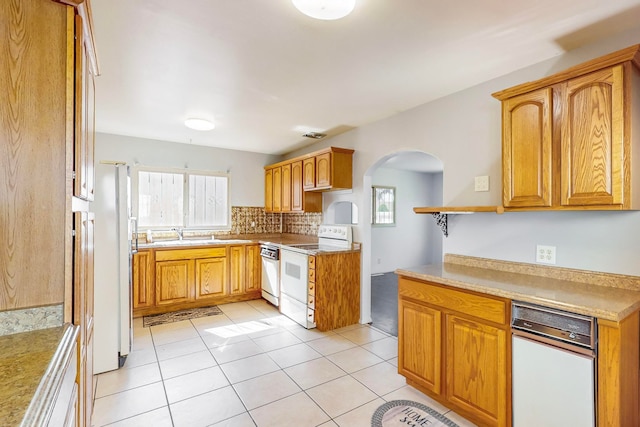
(171, 279)
(568, 141)
(474, 339)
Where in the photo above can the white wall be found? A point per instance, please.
(464, 131)
(414, 239)
(246, 169)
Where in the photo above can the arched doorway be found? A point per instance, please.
(413, 239)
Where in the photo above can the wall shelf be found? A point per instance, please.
(440, 213)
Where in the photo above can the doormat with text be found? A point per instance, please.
(405, 413)
(176, 316)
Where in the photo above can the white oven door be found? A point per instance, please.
(294, 268)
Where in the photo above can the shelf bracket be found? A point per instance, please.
(441, 221)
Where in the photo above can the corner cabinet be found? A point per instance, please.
(330, 169)
(567, 140)
(454, 345)
(296, 185)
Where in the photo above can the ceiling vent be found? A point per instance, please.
(314, 135)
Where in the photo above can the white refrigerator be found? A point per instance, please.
(114, 228)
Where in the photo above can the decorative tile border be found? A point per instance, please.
(30, 319)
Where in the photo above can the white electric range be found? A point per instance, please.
(297, 293)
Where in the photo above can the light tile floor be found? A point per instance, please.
(253, 367)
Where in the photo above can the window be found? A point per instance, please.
(182, 199)
(383, 211)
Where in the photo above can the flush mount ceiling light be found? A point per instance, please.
(199, 124)
(325, 9)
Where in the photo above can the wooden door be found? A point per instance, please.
(237, 267)
(323, 170)
(309, 173)
(297, 191)
(268, 190)
(420, 344)
(286, 188)
(174, 280)
(527, 149)
(142, 280)
(592, 163)
(477, 369)
(277, 189)
(211, 277)
(253, 268)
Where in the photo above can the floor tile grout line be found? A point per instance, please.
(302, 340)
(164, 387)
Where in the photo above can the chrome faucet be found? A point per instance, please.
(180, 231)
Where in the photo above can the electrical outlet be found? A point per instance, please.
(482, 183)
(546, 254)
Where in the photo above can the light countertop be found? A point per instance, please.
(602, 295)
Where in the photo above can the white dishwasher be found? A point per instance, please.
(553, 367)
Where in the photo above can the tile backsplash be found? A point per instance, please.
(254, 220)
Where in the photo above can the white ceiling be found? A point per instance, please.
(265, 73)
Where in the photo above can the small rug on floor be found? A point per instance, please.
(176, 316)
(397, 413)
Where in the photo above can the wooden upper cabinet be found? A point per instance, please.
(268, 190)
(330, 169)
(286, 188)
(37, 86)
(526, 149)
(323, 170)
(593, 148)
(85, 120)
(297, 189)
(568, 139)
(309, 173)
(277, 189)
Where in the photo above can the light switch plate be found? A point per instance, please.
(482, 183)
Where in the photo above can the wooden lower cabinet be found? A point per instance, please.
(142, 277)
(336, 279)
(211, 277)
(462, 338)
(420, 327)
(253, 268)
(476, 368)
(173, 279)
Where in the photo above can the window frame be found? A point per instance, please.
(374, 205)
(135, 197)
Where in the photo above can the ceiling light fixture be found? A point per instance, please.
(199, 124)
(325, 9)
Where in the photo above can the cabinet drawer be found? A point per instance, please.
(312, 289)
(191, 253)
(492, 309)
(312, 262)
(311, 301)
(312, 276)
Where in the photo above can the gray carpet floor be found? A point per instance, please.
(384, 302)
